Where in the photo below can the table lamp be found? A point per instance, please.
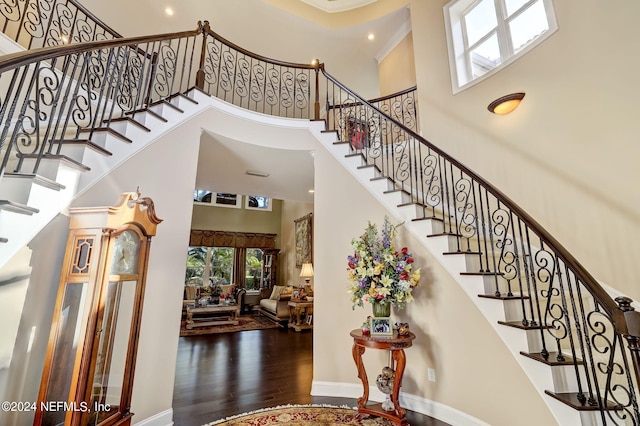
(306, 272)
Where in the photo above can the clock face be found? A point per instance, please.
(126, 252)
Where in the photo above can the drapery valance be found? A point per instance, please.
(208, 238)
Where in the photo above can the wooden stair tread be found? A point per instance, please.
(551, 359)
(444, 234)
(147, 111)
(62, 157)
(381, 178)
(504, 297)
(439, 219)
(518, 324)
(187, 97)
(40, 180)
(12, 206)
(167, 103)
(109, 130)
(132, 121)
(448, 253)
(483, 273)
(86, 142)
(571, 399)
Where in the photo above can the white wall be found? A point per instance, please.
(569, 154)
(164, 171)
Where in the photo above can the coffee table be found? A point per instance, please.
(212, 315)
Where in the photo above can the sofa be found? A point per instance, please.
(276, 306)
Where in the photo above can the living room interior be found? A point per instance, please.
(548, 156)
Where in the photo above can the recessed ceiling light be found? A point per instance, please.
(168, 11)
(371, 36)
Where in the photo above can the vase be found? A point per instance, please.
(381, 310)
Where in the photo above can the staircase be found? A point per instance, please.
(74, 112)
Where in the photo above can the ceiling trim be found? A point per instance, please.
(391, 44)
(334, 6)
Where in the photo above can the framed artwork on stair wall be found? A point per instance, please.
(304, 243)
(358, 133)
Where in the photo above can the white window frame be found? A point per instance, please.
(214, 199)
(459, 58)
(264, 209)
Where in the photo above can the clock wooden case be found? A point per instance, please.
(90, 361)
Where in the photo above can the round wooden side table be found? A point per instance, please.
(396, 345)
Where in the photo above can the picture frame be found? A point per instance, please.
(310, 319)
(304, 234)
(295, 295)
(381, 326)
(357, 133)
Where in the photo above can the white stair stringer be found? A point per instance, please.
(17, 229)
(516, 340)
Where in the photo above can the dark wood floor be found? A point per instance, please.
(220, 375)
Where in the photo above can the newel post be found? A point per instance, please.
(632, 318)
(316, 105)
(200, 73)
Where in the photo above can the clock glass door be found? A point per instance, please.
(112, 361)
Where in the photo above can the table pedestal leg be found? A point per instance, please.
(362, 374)
(400, 361)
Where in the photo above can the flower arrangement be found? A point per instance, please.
(377, 271)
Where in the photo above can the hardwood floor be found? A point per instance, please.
(220, 375)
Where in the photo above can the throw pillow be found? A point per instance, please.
(277, 290)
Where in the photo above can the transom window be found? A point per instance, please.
(486, 35)
(258, 202)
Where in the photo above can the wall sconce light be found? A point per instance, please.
(306, 272)
(506, 104)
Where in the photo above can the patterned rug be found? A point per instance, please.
(302, 415)
(246, 322)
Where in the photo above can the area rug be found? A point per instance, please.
(246, 322)
(302, 415)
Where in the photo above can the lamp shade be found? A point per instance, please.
(307, 270)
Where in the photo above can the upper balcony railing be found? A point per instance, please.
(43, 23)
(55, 94)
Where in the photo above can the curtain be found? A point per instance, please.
(239, 267)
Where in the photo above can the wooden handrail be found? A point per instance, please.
(209, 31)
(599, 294)
(18, 59)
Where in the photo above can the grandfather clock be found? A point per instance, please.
(90, 362)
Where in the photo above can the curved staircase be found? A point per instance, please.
(72, 113)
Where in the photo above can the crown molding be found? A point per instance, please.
(334, 6)
(391, 44)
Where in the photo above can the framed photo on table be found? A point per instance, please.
(357, 133)
(381, 326)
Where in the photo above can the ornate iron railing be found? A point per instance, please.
(58, 97)
(67, 91)
(42, 23)
(401, 106)
(579, 324)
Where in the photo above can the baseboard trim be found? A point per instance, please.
(410, 402)
(164, 418)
